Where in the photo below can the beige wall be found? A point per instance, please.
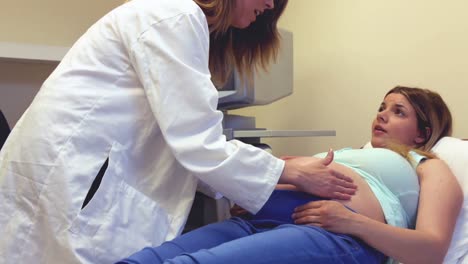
(347, 55)
(50, 22)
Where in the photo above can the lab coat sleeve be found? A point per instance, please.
(208, 191)
(171, 60)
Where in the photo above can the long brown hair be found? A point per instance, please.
(433, 115)
(246, 50)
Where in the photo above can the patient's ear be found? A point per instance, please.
(423, 136)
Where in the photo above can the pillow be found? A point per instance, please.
(454, 152)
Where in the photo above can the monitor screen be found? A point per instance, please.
(266, 87)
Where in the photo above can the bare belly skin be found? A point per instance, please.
(364, 201)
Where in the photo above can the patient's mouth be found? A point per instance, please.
(379, 129)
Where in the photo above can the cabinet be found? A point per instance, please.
(22, 52)
(23, 69)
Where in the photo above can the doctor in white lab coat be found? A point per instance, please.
(136, 89)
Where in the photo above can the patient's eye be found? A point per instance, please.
(381, 108)
(400, 112)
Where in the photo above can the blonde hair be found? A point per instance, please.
(405, 150)
(433, 116)
(245, 50)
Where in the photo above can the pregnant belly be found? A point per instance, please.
(282, 203)
(364, 201)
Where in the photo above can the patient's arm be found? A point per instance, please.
(439, 204)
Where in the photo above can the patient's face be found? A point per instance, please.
(395, 122)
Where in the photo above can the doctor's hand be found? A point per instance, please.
(330, 215)
(313, 175)
(236, 210)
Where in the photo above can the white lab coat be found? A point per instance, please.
(136, 89)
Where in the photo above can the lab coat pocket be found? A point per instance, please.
(119, 219)
(90, 217)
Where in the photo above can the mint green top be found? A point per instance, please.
(391, 177)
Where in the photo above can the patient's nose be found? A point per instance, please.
(382, 116)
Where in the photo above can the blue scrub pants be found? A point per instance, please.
(266, 237)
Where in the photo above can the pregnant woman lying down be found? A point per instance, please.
(406, 203)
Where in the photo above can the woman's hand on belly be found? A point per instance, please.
(330, 215)
(315, 176)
